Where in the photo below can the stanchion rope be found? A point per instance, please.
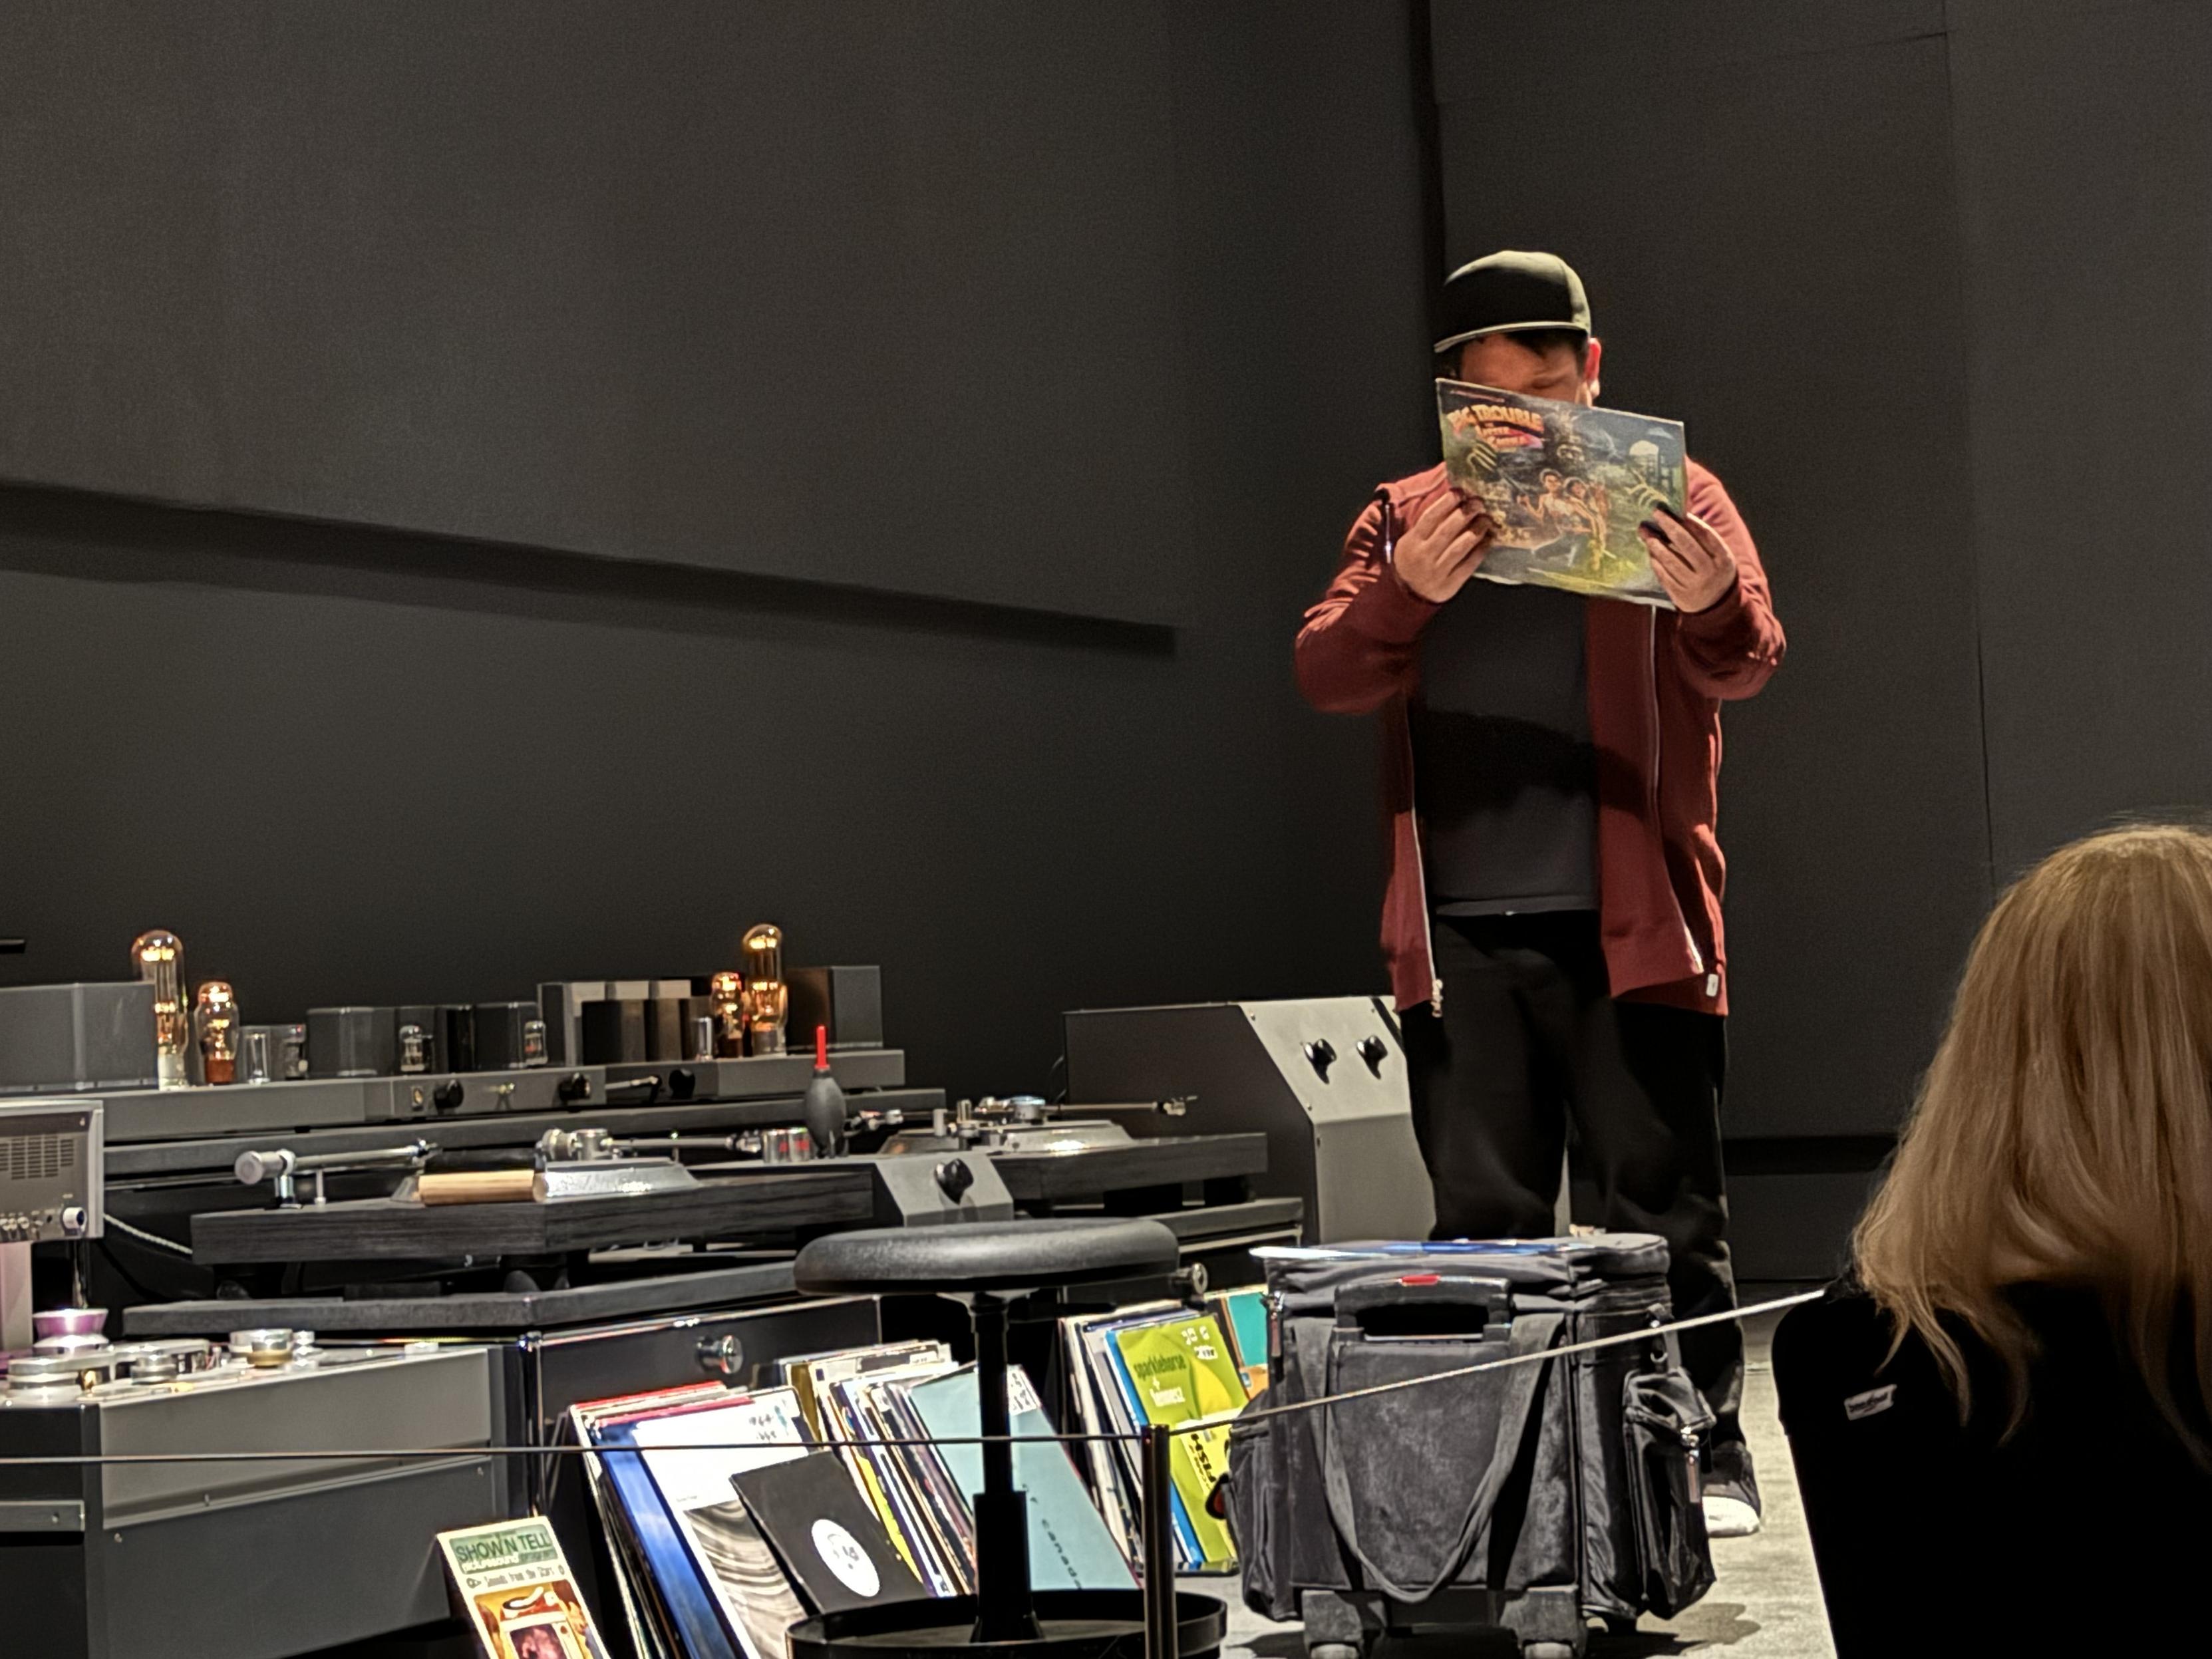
(1250, 1414)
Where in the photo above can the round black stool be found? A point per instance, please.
(994, 1264)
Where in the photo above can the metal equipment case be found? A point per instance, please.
(1324, 1079)
(116, 1561)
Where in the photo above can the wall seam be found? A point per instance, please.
(1967, 345)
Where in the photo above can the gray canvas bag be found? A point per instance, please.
(1531, 1496)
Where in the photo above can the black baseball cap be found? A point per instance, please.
(1511, 293)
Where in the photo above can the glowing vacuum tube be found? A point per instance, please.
(215, 1016)
(159, 957)
(726, 996)
(768, 998)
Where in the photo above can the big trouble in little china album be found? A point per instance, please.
(1567, 485)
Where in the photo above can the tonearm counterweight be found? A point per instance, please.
(281, 1166)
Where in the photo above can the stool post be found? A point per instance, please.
(1158, 1528)
(1005, 1610)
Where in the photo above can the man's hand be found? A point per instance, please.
(1444, 546)
(1692, 563)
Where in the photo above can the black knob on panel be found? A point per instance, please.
(1374, 1051)
(683, 1082)
(1322, 1054)
(576, 1086)
(954, 1178)
(448, 1095)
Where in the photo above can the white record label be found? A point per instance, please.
(841, 1554)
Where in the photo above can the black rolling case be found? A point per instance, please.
(1534, 1497)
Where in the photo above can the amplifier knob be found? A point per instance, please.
(1374, 1051)
(954, 1178)
(448, 1095)
(1321, 1054)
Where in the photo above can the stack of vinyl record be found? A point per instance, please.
(1162, 1364)
(730, 1516)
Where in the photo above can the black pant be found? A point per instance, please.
(1529, 1038)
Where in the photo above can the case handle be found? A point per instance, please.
(1417, 1306)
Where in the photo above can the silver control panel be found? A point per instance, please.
(50, 1187)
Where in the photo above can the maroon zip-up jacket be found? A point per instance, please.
(1656, 683)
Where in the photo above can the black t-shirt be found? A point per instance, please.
(1504, 771)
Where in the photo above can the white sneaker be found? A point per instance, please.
(1730, 1517)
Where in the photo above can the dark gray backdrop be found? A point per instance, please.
(1928, 282)
(839, 291)
(346, 764)
(861, 466)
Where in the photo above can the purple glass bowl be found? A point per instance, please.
(70, 1322)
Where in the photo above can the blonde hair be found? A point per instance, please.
(2063, 1135)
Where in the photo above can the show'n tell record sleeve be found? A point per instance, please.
(1566, 486)
(516, 1592)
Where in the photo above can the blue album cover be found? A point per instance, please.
(1070, 1547)
(1393, 1249)
(684, 1589)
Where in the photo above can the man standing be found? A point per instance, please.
(1550, 766)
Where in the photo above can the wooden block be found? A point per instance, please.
(766, 1205)
(476, 1187)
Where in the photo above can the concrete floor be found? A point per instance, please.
(1765, 1603)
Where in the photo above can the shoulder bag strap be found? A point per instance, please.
(1532, 1333)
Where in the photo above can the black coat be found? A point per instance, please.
(2090, 1529)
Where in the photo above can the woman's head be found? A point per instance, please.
(2064, 1132)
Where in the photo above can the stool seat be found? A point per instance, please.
(984, 1255)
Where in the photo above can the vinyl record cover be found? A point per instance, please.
(946, 1506)
(887, 1490)
(649, 1635)
(1183, 1371)
(845, 1427)
(832, 1545)
(1109, 1488)
(1190, 1550)
(693, 1613)
(915, 1479)
(1118, 1396)
(1243, 1317)
(810, 1374)
(1070, 1547)
(692, 1458)
(1566, 486)
(518, 1594)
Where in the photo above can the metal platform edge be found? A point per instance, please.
(487, 1314)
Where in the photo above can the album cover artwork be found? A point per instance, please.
(1179, 1371)
(1566, 486)
(520, 1598)
(691, 1458)
(1070, 1547)
(834, 1546)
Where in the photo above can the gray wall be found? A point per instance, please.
(612, 636)
(2085, 171)
(1913, 274)
(854, 292)
(351, 762)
